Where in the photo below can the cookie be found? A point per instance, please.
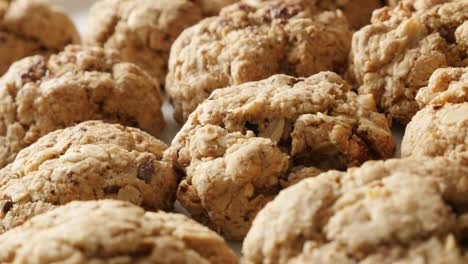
(40, 95)
(92, 160)
(29, 27)
(395, 211)
(237, 149)
(110, 231)
(358, 12)
(142, 31)
(395, 56)
(249, 43)
(441, 127)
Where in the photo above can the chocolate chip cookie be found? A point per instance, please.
(441, 127)
(89, 161)
(395, 56)
(39, 95)
(109, 231)
(249, 43)
(29, 27)
(398, 211)
(245, 143)
(358, 12)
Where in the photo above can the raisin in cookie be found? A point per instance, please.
(29, 27)
(110, 231)
(397, 211)
(238, 148)
(358, 12)
(395, 56)
(248, 43)
(141, 30)
(92, 160)
(39, 95)
(440, 128)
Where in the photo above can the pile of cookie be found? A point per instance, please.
(287, 109)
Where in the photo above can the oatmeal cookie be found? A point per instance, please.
(358, 12)
(441, 127)
(39, 95)
(29, 27)
(109, 231)
(141, 30)
(92, 160)
(395, 56)
(237, 149)
(248, 43)
(385, 212)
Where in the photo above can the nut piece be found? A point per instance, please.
(247, 43)
(29, 27)
(109, 231)
(238, 148)
(397, 211)
(358, 12)
(441, 127)
(141, 30)
(39, 95)
(395, 56)
(89, 161)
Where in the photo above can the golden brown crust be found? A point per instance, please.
(89, 161)
(238, 148)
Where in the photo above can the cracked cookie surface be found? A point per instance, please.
(90, 161)
(249, 43)
(109, 231)
(29, 27)
(141, 30)
(395, 56)
(441, 127)
(370, 215)
(39, 95)
(238, 148)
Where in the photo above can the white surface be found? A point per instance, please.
(79, 9)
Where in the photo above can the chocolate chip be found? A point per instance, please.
(436, 107)
(252, 127)
(7, 206)
(146, 171)
(111, 189)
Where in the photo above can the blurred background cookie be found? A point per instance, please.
(39, 95)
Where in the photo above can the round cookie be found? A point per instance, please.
(29, 27)
(89, 161)
(237, 149)
(39, 95)
(249, 43)
(441, 127)
(397, 211)
(395, 56)
(109, 231)
(358, 12)
(141, 30)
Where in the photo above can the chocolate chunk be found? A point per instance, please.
(146, 171)
(7, 206)
(112, 189)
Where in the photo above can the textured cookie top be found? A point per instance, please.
(248, 43)
(395, 56)
(39, 95)
(92, 160)
(30, 27)
(141, 30)
(398, 211)
(112, 232)
(358, 12)
(438, 130)
(238, 148)
(446, 85)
